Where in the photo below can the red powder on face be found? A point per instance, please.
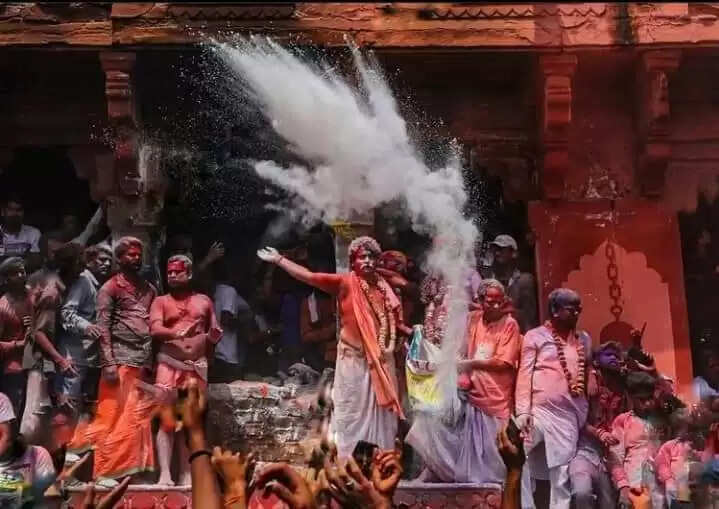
(134, 250)
(176, 266)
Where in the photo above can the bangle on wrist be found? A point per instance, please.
(197, 454)
(279, 260)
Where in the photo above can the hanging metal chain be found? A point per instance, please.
(615, 291)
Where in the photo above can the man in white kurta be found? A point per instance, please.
(550, 413)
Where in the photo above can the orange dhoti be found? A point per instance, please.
(171, 375)
(121, 432)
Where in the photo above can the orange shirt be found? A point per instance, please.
(492, 391)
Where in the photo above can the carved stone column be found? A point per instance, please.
(135, 205)
(555, 119)
(95, 164)
(345, 232)
(653, 72)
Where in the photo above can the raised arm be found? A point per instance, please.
(328, 283)
(91, 229)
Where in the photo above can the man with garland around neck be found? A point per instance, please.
(183, 324)
(365, 396)
(551, 400)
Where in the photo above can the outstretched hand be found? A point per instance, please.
(288, 485)
(350, 488)
(234, 469)
(387, 470)
(269, 255)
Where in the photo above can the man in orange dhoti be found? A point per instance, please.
(365, 396)
(183, 323)
(121, 430)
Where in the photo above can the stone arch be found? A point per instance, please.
(645, 298)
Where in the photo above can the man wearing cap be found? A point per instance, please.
(521, 287)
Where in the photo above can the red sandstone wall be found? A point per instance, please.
(602, 137)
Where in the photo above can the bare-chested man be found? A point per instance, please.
(365, 396)
(183, 323)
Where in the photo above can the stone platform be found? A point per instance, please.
(281, 423)
(409, 495)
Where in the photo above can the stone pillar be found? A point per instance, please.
(95, 164)
(135, 205)
(653, 71)
(345, 232)
(555, 109)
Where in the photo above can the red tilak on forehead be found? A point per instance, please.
(177, 266)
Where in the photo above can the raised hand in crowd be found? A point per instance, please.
(387, 470)
(108, 501)
(288, 485)
(205, 490)
(513, 456)
(216, 251)
(351, 488)
(235, 470)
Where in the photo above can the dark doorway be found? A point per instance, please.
(45, 178)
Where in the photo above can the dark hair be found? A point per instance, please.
(9, 265)
(609, 345)
(92, 252)
(561, 297)
(639, 382)
(68, 256)
(125, 243)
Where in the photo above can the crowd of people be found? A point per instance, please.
(99, 364)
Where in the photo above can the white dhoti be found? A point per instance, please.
(35, 422)
(551, 446)
(464, 452)
(356, 415)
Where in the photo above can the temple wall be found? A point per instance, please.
(694, 132)
(602, 137)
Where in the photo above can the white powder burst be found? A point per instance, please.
(360, 157)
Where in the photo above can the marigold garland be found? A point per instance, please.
(577, 387)
(382, 310)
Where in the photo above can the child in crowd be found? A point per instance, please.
(638, 434)
(677, 459)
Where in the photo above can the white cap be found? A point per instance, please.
(505, 241)
(6, 411)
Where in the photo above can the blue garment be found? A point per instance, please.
(290, 319)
